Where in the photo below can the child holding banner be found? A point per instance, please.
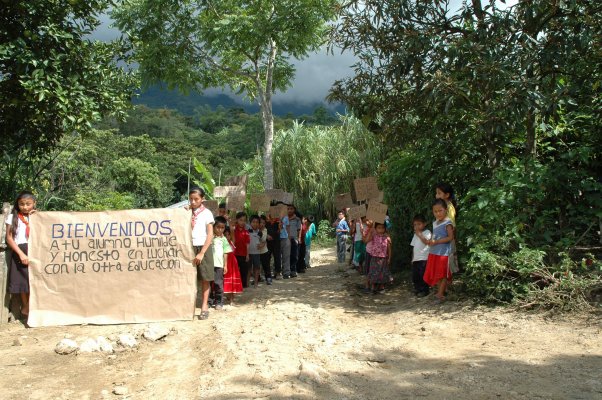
(359, 246)
(17, 235)
(310, 232)
(202, 238)
(257, 247)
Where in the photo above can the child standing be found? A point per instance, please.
(437, 266)
(241, 247)
(232, 281)
(266, 256)
(379, 273)
(257, 247)
(202, 238)
(359, 247)
(273, 227)
(17, 235)
(445, 191)
(420, 253)
(310, 232)
(221, 248)
(342, 232)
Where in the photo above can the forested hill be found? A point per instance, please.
(158, 97)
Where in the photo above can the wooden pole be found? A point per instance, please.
(5, 313)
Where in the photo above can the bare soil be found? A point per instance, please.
(318, 336)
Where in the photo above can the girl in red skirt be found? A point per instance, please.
(437, 265)
(232, 281)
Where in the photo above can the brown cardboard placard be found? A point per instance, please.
(376, 212)
(343, 201)
(355, 213)
(260, 202)
(377, 196)
(287, 198)
(278, 211)
(211, 205)
(111, 267)
(236, 202)
(227, 191)
(240, 180)
(274, 194)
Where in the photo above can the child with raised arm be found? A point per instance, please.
(379, 272)
(17, 236)
(420, 253)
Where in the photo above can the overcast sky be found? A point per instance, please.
(315, 74)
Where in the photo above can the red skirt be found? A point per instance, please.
(232, 282)
(437, 268)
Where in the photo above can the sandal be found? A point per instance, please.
(204, 315)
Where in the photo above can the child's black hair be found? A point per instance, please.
(196, 189)
(25, 194)
(310, 218)
(227, 229)
(254, 217)
(419, 217)
(241, 214)
(377, 224)
(221, 220)
(264, 218)
(439, 202)
(447, 188)
(222, 205)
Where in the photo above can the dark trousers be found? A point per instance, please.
(217, 287)
(274, 250)
(243, 266)
(294, 255)
(301, 258)
(418, 268)
(265, 264)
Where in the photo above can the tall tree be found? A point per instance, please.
(241, 44)
(54, 80)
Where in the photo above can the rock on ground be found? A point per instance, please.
(66, 346)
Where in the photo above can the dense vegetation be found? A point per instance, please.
(504, 102)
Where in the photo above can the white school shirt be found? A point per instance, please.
(199, 232)
(256, 240)
(421, 250)
(359, 228)
(20, 237)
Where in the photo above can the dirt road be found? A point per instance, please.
(317, 337)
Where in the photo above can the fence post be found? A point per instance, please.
(5, 313)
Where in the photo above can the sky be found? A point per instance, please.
(315, 74)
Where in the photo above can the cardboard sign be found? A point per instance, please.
(111, 267)
(275, 194)
(260, 202)
(237, 181)
(211, 205)
(287, 198)
(355, 213)
(365, 187)
(278, 211)
(343, 201)
(227, 191)
(376, 212)
(377, 196)
(236, 202)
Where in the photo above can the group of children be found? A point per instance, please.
(231, 254)
(434, 258)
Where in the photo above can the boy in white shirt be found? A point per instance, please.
(420, 254)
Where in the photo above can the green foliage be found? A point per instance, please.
(53, 79)
(503, 103)
(316, 163)
(325, 234)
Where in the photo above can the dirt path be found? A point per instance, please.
(317, 337)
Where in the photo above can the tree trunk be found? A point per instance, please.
(268, 128)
